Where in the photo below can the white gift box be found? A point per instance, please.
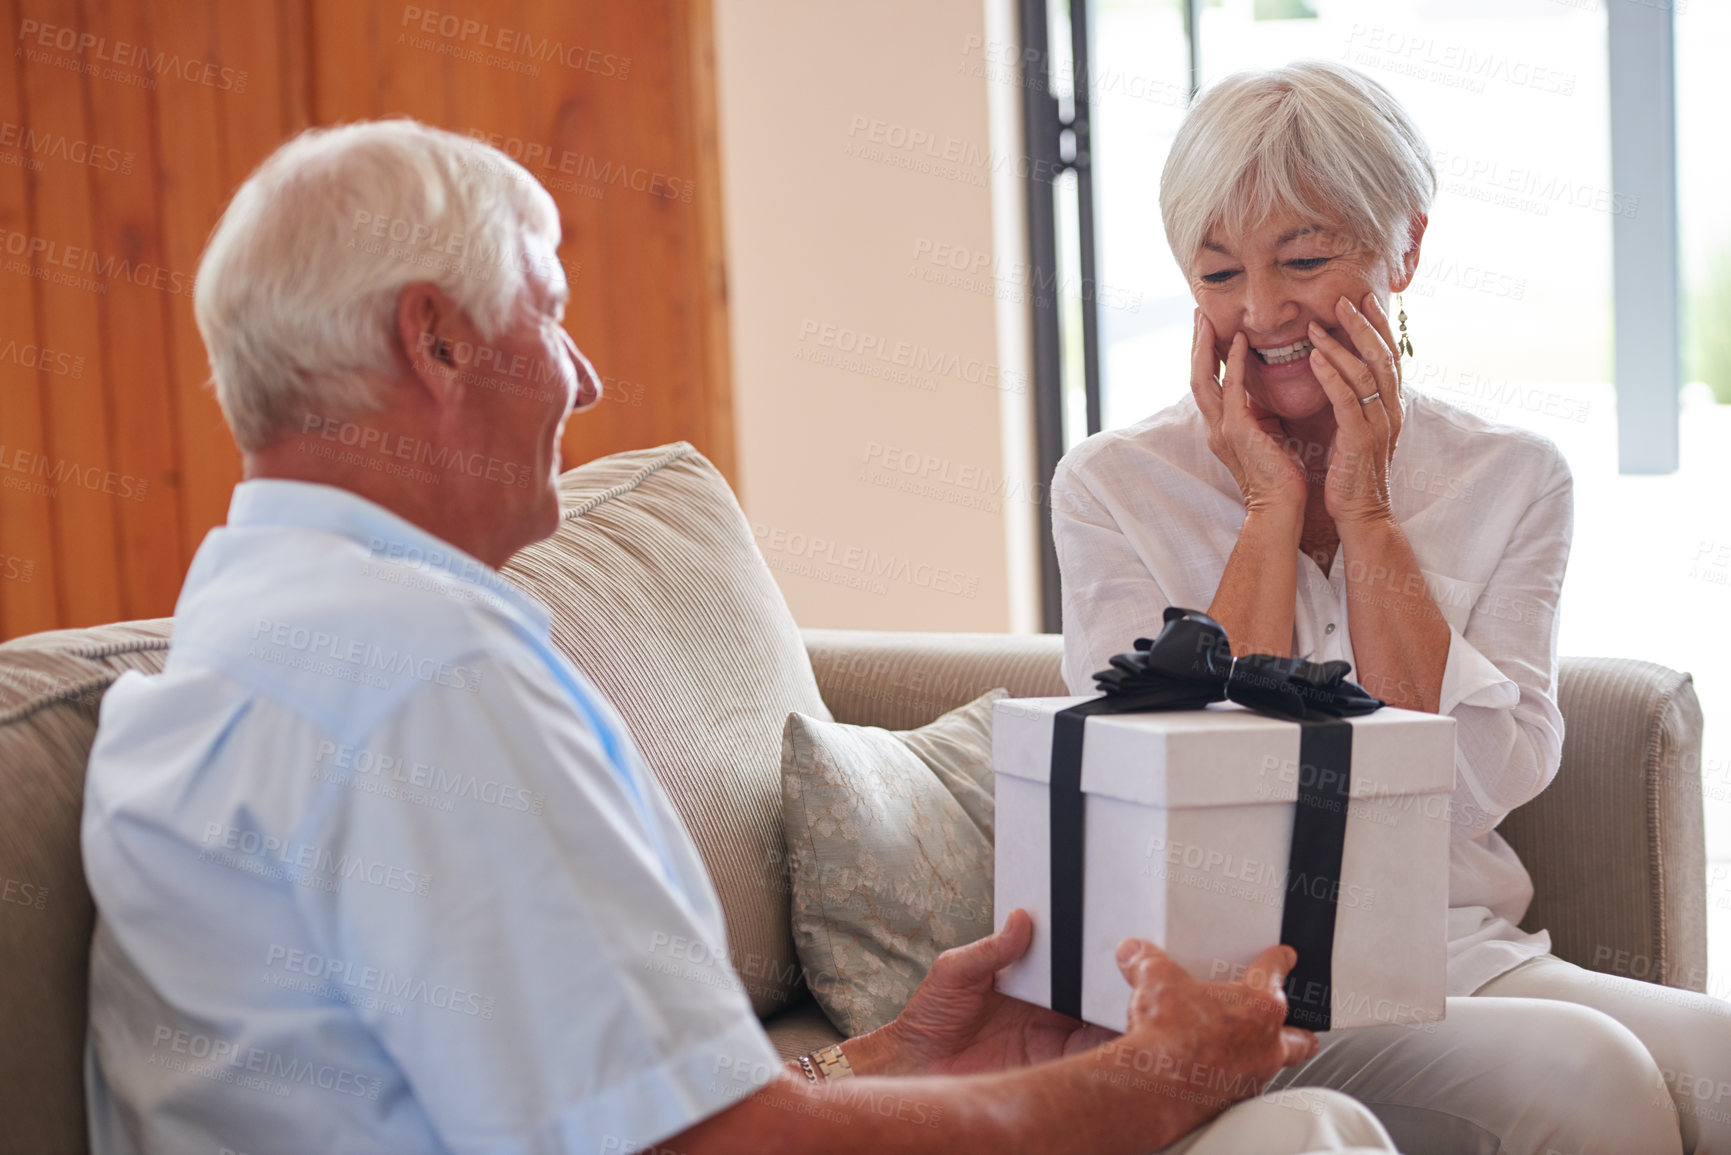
(1189, 819)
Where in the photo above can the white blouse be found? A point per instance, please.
(1145, 517)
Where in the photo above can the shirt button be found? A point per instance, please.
(1328, 629)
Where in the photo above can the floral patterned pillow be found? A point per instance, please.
(889, 842)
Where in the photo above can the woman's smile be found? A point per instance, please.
(1279, 375)
(1283, 354)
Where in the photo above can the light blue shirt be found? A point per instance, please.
(377, 870)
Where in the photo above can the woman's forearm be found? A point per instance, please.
(1399, 637)
(1259, 588)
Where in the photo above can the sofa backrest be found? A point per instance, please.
(51, 686)
(659, 594)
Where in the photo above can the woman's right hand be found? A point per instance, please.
(1247, 439)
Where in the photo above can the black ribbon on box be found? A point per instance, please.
(1188, 666)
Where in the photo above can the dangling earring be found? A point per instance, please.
(1405, 343)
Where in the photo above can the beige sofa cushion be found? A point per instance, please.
(660, 596)
(50, 688)
(889, 837)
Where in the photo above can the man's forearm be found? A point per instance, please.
(1259, 588)
(1106, 1100)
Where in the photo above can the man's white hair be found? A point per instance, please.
(297, 291)
(1314, 138)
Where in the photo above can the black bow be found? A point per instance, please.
(1190, 665)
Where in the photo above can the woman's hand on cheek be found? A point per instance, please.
(1249, 442)
(1363, 384)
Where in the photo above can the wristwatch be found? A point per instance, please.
(825, 1064)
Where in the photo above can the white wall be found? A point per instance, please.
(865, 150)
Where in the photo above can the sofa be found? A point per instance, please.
(655, 553)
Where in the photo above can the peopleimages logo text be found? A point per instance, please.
(126, 55)
(56, 472)
(864, 562)
(356, 654)
(55, 256)
(334, 867)
(378, 980)
(443, 458)
(514, 42)
(340, 762)
(40, 143)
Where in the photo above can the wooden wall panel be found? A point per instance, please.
(133, 354)
(114, 461)
(67, 318)
(194, 186)
(28, 566)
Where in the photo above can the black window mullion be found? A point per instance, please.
(1040, 130)
(1080, 32)
(1044, 128)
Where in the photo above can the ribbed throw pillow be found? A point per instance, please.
(889, 838)
(659, 595)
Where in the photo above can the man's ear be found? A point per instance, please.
(1409, 259)
(427, 324)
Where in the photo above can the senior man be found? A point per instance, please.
(285, 962)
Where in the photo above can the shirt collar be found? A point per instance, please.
(271, 502)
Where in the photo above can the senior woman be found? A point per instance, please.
(1316, 507)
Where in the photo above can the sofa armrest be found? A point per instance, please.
(903, 680)
(1616, 845)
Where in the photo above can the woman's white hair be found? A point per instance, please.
(297, 291)
(1315, 139)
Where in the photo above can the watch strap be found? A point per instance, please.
(825, 1064)
(832, 1062)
